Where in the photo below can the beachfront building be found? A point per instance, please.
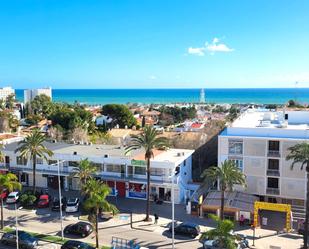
(30, 94)
(125, 174)
(5, 92)
(258, 142)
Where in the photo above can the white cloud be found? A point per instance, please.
(196, 51)
(152, 77)
(214, 47)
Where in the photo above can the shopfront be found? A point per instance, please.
(136, 190)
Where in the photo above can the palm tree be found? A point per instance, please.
(299, 153)
(84, 171)
(148, 140)
(228, 174)
(10, 183)
(221, 233)
(32, 147)
(97, 193)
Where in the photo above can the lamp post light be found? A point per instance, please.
(16, 226)
(60, 199)
(173, 208)
(60, 196)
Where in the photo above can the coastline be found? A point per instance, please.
(178, 96)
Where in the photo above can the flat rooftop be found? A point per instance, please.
(170, 155)
(255, 118)
(270, 124)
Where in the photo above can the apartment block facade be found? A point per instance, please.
(259, 141)
(125, 174)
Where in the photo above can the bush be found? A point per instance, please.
(27, 200)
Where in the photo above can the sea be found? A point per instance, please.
(165, 96)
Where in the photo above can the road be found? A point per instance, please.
(147, 234)
(42, 245)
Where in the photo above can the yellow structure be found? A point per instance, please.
(272, 207)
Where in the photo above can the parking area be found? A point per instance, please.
(147, 234)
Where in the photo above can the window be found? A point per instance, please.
(235, 147)
(140, 170)
(273, 164)
(273, 145)
(39, 160)
(238, 163)
(113, 168)
(73, 163)
(97, 165)
(54, 162)
(272, 182)
(21, 160)
(156, 172)
(184, 162)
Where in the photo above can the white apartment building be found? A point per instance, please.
(30, 94)
(258, 142)
(124, 173)
(5, 92)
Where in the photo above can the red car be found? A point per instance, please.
(4, 194)
(43, 201)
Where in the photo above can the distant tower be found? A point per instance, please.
(202, 96)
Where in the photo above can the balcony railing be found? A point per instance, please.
(4, 165)
(135, 177)
(273, 153)
(273, 172)
(272, 191)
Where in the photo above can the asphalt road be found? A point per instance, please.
(148, 235)
(42, 245)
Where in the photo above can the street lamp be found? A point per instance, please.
(16, 225)
(60, 197)
(173, 210)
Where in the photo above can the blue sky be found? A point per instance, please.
(154, 43)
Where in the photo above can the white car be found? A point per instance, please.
(12, 197)
(72, 205)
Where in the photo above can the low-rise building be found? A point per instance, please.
(122, 172)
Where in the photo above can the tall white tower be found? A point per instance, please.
(202, 96)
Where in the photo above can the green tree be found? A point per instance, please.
(71, 117)
(120, 114)
(84, 171)
(299, 154)
(222, 233)
(41, 105)
(227, 175)
(10, 101)
(10, 183)
(97, 193)
(32, 147)
(149, 140)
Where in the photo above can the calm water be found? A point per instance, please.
(103, 96)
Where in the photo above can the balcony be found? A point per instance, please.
(134, 177)
(273, 153)
(272, 191)
(4, 166)
(43, 169)
(273, 172)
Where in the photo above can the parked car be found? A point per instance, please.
(74, 244)
(186, 228)
(72, 205)
(56, 204)
(80, 228)
(13, 197)
(4, 194)
(25, 240)
(43, 201)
